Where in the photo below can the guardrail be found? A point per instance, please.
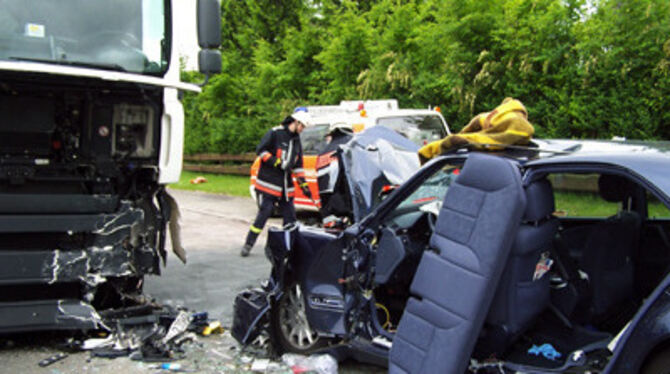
(216, 163)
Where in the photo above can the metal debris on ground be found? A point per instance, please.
(52, 359)
(157, 336)
(148, 333)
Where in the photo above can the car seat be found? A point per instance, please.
(523, 290)
(607, 250)
(453, 286)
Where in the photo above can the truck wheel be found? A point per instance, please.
(290, 327)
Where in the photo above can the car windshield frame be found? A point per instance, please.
(94, 34)
(386, 208)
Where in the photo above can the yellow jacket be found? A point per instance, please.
(506, 124)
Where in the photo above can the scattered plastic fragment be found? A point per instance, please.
(179, 325)
(52, 359)
(545, 350)
(321, 364)
(95, 343)
(171, 367)
(260, 364)
(214, 327)
(198, 180)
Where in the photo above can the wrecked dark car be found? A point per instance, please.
(540, 259)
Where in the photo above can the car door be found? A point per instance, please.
(333, 279)
(325, 281)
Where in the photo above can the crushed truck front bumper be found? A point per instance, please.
(55, 288)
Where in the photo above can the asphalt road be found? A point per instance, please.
(213, 231)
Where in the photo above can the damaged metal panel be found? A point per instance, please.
(57, 203)
(96, 223)
(114, 252)
(375, 157)
(20, 267)
(48, 314)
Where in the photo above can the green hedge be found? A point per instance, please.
(583, 68)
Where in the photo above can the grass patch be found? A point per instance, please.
(575, 204)
(236, 185)
(592, 205)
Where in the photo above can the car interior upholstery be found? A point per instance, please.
(522, 283)
(583, 297)
(454, 285)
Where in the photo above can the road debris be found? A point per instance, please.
(52, 359)
(318, 363)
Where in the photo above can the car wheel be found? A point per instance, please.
(291, 327)
(658, 363)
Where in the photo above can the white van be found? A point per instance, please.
(421, 126)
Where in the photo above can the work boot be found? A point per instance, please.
(245, 250)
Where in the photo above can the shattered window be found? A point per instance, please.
(433, 189)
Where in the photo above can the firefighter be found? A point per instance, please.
(280, 151)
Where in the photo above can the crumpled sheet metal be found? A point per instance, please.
(175, 228)
(374, 154)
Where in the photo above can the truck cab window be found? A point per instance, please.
(121, 35)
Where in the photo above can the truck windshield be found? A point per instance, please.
(420, 129)
(123, 35)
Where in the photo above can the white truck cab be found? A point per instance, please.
(91, 130)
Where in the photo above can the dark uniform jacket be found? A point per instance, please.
(281, 162)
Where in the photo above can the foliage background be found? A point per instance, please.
(583, 68)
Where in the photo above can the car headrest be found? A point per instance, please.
(487, 172)
(614, 188)
(539, 201)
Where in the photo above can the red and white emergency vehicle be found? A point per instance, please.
(419, 125)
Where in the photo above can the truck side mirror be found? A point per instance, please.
(209, 24)
(209, 61)
(209, 37)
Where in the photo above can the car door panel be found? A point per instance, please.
(320, 273)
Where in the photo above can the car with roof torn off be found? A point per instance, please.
(551, 257)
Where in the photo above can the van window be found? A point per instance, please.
(420, 129)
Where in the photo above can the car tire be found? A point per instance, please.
(290, 329)
(659, 363)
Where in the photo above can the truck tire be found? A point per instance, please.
(290, 329)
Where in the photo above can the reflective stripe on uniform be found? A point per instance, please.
(267, 185)
(255, 229)
(268, 191)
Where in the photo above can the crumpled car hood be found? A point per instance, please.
(376, 157)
